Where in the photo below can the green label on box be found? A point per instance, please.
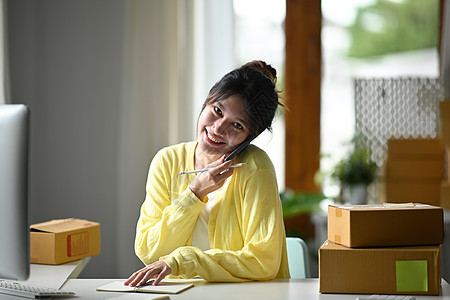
(411, 275)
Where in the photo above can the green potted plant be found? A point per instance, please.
(297, 210)
(355, 173)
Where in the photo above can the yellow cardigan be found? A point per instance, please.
(246, 230)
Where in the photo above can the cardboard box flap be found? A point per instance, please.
(62, 225)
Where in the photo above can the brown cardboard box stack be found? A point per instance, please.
(414, 171)
(382, 249)
(445, 136)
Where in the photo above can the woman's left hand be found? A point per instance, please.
(209, 181)
(157, 271)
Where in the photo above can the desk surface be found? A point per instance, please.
(54, 276)
(305, 289)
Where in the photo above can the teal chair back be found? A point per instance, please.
(298, 257)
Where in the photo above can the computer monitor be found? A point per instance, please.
(14, 229)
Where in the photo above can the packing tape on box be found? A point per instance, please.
(411, 275)
(394, 205)
(337, 238)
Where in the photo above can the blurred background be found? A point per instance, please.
(110, 82)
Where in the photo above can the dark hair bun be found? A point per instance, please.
(266, 69)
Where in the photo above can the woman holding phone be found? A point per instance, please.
(224, 224)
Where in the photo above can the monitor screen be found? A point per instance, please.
(14, 230)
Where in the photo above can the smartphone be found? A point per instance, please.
(238, 150)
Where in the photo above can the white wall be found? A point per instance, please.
(65, 63)
(108, 83)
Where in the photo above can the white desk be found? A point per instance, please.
(52, 276)
(304, 289)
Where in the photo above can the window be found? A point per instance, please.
(259, 34)
(358, 38)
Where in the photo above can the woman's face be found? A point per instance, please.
(222, 126)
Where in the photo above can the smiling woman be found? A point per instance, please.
(222, 126)
(223, 224)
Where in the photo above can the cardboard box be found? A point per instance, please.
(415, 169)
(412, 270)
(59, 241)
(444, 107)
(385, 225)
(447, 163)
(407, 191)
(445, 131)
(445, 195)
(416, 149)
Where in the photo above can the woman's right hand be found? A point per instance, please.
(157, 271)
(209, 181)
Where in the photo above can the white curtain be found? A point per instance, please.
(153, 86)
(173, 51)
